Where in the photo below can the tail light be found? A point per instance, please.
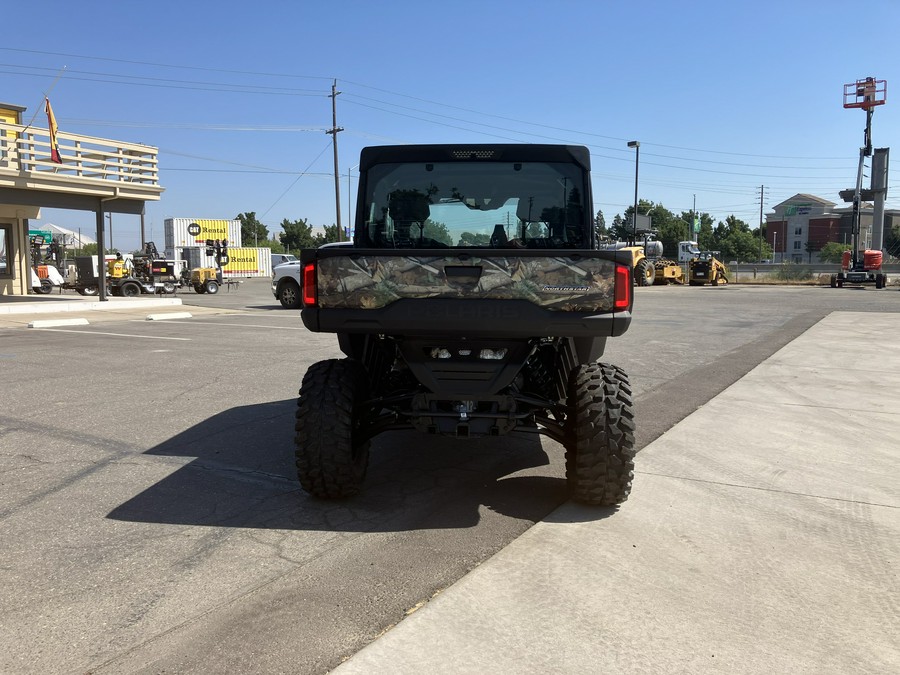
(623, 288)
(309, 284)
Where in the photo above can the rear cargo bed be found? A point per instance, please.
(469, 292)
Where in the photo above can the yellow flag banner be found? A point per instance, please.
(51, 123)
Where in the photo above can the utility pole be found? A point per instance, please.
(337, 184)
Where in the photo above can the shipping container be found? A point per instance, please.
(181, 232)
(248, 262)
(242, 262)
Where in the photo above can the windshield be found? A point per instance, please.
(474, 204)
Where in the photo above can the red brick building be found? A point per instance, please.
(798, 227)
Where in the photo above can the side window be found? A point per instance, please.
(5, 253)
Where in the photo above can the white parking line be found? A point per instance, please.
(129, 335)
(237, 325)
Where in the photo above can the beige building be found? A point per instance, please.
(91, 174)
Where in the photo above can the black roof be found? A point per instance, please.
(465, 152)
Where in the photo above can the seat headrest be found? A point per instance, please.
(408, 206)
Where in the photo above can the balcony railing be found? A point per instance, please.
(88, 164)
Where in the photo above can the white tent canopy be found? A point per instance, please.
(73, 239)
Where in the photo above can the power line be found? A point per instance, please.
(289, 187)
(189, 126)
(178, 66)
(237, 89)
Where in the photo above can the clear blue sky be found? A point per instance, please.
(723, 96)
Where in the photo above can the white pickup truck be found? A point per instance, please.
(286, 284)
(287, 279)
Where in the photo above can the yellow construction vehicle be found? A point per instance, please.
(647, 261)
(706, 268)
(668, 272)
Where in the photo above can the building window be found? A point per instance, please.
(798, 230)
(796, 245)
(5, 257)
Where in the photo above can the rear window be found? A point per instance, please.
(475, 205)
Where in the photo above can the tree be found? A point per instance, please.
(252, 231)
(273, 245)
(91, 249)
(297, 234)
(438, 232)
(706, 239)
(620, 230)
(331, 234)
(599, 226)
(732, 238)
(471, 239)
(832, 252)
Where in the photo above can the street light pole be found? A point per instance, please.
(637, 162)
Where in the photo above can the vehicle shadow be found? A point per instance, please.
(242, 475)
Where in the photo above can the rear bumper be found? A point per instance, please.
(466, 318)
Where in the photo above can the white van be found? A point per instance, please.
(281, 258)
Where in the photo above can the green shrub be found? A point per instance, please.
(792, 272)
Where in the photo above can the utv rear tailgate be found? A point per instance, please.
(566, 293)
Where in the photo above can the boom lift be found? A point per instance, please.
(863, 266)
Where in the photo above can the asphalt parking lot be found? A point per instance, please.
(151, 521)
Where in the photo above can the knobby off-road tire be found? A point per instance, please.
(644, 273)
(600, 450)
(331, 458)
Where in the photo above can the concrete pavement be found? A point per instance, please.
(762, 536)
(31, 311)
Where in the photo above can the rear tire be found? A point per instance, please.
(212, 287)
(289, 295)
(91, 289)
(332, 457)
(46, 287)
(600, 429)
(834, 280)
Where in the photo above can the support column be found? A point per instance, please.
(101, 268)
(879, 189)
